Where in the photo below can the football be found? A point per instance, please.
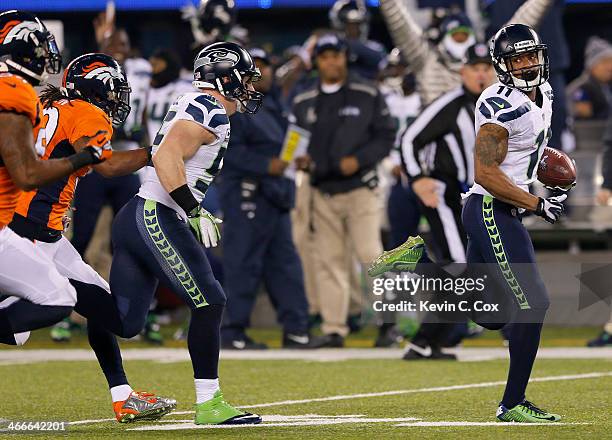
(556, 168)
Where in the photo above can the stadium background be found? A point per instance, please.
(274, 24)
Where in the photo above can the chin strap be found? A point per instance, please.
(42, 79)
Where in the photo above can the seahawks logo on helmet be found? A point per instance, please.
(219, 56)
(17, 31)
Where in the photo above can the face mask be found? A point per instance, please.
(457, 50)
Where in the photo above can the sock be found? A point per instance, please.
(120, 392)
(524, 339)
(106, 348)
(205, 389)
(203, 341)
(21, 338)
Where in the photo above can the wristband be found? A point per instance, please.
(185, 199)
(81, 159)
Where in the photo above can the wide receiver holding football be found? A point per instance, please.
(513, 126)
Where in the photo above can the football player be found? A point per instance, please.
(94, 96)
(158, 235)
(513, 118)
(166, 86)
(27, 54)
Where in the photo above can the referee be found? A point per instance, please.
(437, 153)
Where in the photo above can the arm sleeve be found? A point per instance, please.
(239, 155)
(532, 12)
(382, 135)
(94, 125)
(406, 34)
(17, 96)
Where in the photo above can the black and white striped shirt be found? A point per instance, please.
(440, 141)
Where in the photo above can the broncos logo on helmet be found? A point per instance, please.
(16, 30)
(104, 74)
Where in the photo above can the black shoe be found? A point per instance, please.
(296, 340)
(426, 352)
(314, 321)
(244, 343)
(354, 323)
(388, 336)
(602, 340)
(333, 340)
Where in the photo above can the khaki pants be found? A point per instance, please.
(350, 218)
(303, 239)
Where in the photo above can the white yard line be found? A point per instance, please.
(393, 393)
(427, 390)
(317, 420)
(170, 355)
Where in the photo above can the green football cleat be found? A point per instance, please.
(403, 258)
(217, 411)
(525, 412)
(61, 332)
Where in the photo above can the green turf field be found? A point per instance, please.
(423, 396)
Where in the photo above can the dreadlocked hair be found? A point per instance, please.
(52, 94)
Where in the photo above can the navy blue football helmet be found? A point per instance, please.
(98, 79)
(511, 41)
(27, 48)
(228, 68)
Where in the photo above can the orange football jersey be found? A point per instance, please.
(65, 122)
(16, 96)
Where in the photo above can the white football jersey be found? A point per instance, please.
(159, 101)
(202, 168)
(403, 108)
(528, 125)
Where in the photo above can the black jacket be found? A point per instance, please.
(359, 124)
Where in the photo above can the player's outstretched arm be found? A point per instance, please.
(490, 150)
(24, 166)
(532, 12)
(124, 162)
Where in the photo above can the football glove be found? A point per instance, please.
(100, 154)
(551, 208)
(204, 226)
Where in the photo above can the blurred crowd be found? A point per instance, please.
(317, 184)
